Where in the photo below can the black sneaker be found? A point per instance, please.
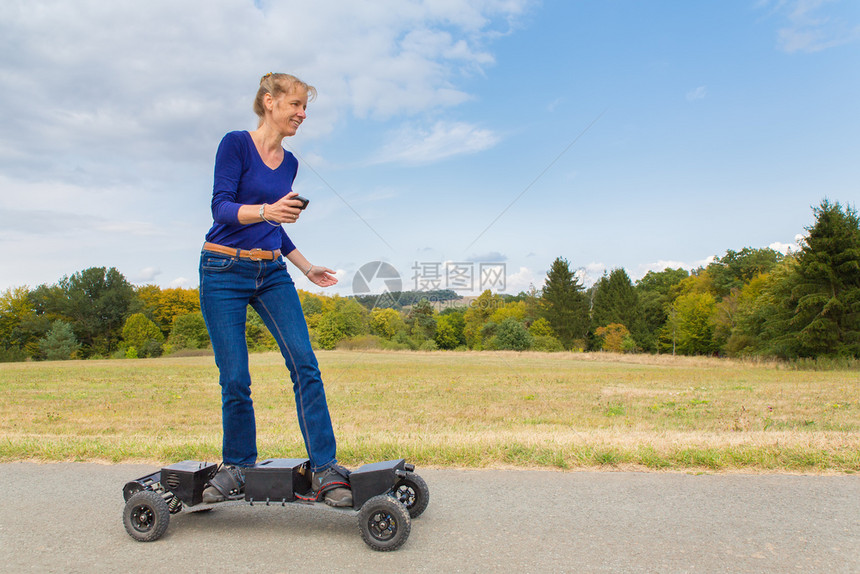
(333, 482)
(227, 484)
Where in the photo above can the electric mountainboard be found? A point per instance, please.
(386, 496)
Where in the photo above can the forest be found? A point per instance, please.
(755, 302)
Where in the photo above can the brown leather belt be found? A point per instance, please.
(252, 254)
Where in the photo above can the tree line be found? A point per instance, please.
(752, 302)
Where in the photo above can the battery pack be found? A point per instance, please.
(187, 479)
(276, 479)
(372, 479)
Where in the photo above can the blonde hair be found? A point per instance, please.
(277, 84)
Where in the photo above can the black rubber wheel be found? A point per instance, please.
(413, 493)
(146, 516)
(384, 523)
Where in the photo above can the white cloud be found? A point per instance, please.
(521, 281)
(697, 94)
(551, 107)
(146, 275)
(784, 248)
(657, 267)
(811, 25)
(489, 257)
(112, 110)
(179, 282)
(414, 145)
(106, 82)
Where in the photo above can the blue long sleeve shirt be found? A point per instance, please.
(241, 178)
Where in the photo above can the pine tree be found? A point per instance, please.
(563, 303)
(59, 344)
(616, 301)
(825, 301)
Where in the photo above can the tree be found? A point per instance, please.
(257, 335)
(824, 305)
(46, 305)
(164, 305)
(477, 315)
(96, 302)
(616, 301)
(737, 268)
(449, 329)
(564, 305)
(386, 323)
(756, 305)
(348, 318)
(20, 327)
(143, 335)
(690, 329)
(314, 306)
(188, 332)
(510, 309)
(420, 320)
(60, 343)
(655, 299)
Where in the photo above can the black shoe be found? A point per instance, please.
(333, 482)
(227, 484)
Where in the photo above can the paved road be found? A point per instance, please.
(67, 518)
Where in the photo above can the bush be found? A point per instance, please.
(188, 332)
(192, 353)
(394, 345)
(613, 337)
(547, 344)
(360, 343)
(347, 319)
(12, 355)
(512, 335)
(257, 335)
(151, 349)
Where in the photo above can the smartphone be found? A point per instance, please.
(305, 201)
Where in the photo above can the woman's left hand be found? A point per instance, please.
(322, 276)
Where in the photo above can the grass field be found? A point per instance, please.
(475, 410)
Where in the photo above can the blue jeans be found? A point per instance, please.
(227, 286)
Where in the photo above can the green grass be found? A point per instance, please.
(476, 410)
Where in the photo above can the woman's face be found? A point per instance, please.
(288, 111)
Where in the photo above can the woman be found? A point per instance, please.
(242, 263)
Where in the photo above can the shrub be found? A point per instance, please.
(546, 343)
(188, 332)
(512, 335)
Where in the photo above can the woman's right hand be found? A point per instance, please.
(285, 210)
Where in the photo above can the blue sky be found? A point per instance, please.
(614, 133)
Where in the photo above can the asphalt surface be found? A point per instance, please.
(68, 518)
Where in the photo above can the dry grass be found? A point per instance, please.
(452, 409)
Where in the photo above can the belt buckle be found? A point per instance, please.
(253, 257)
